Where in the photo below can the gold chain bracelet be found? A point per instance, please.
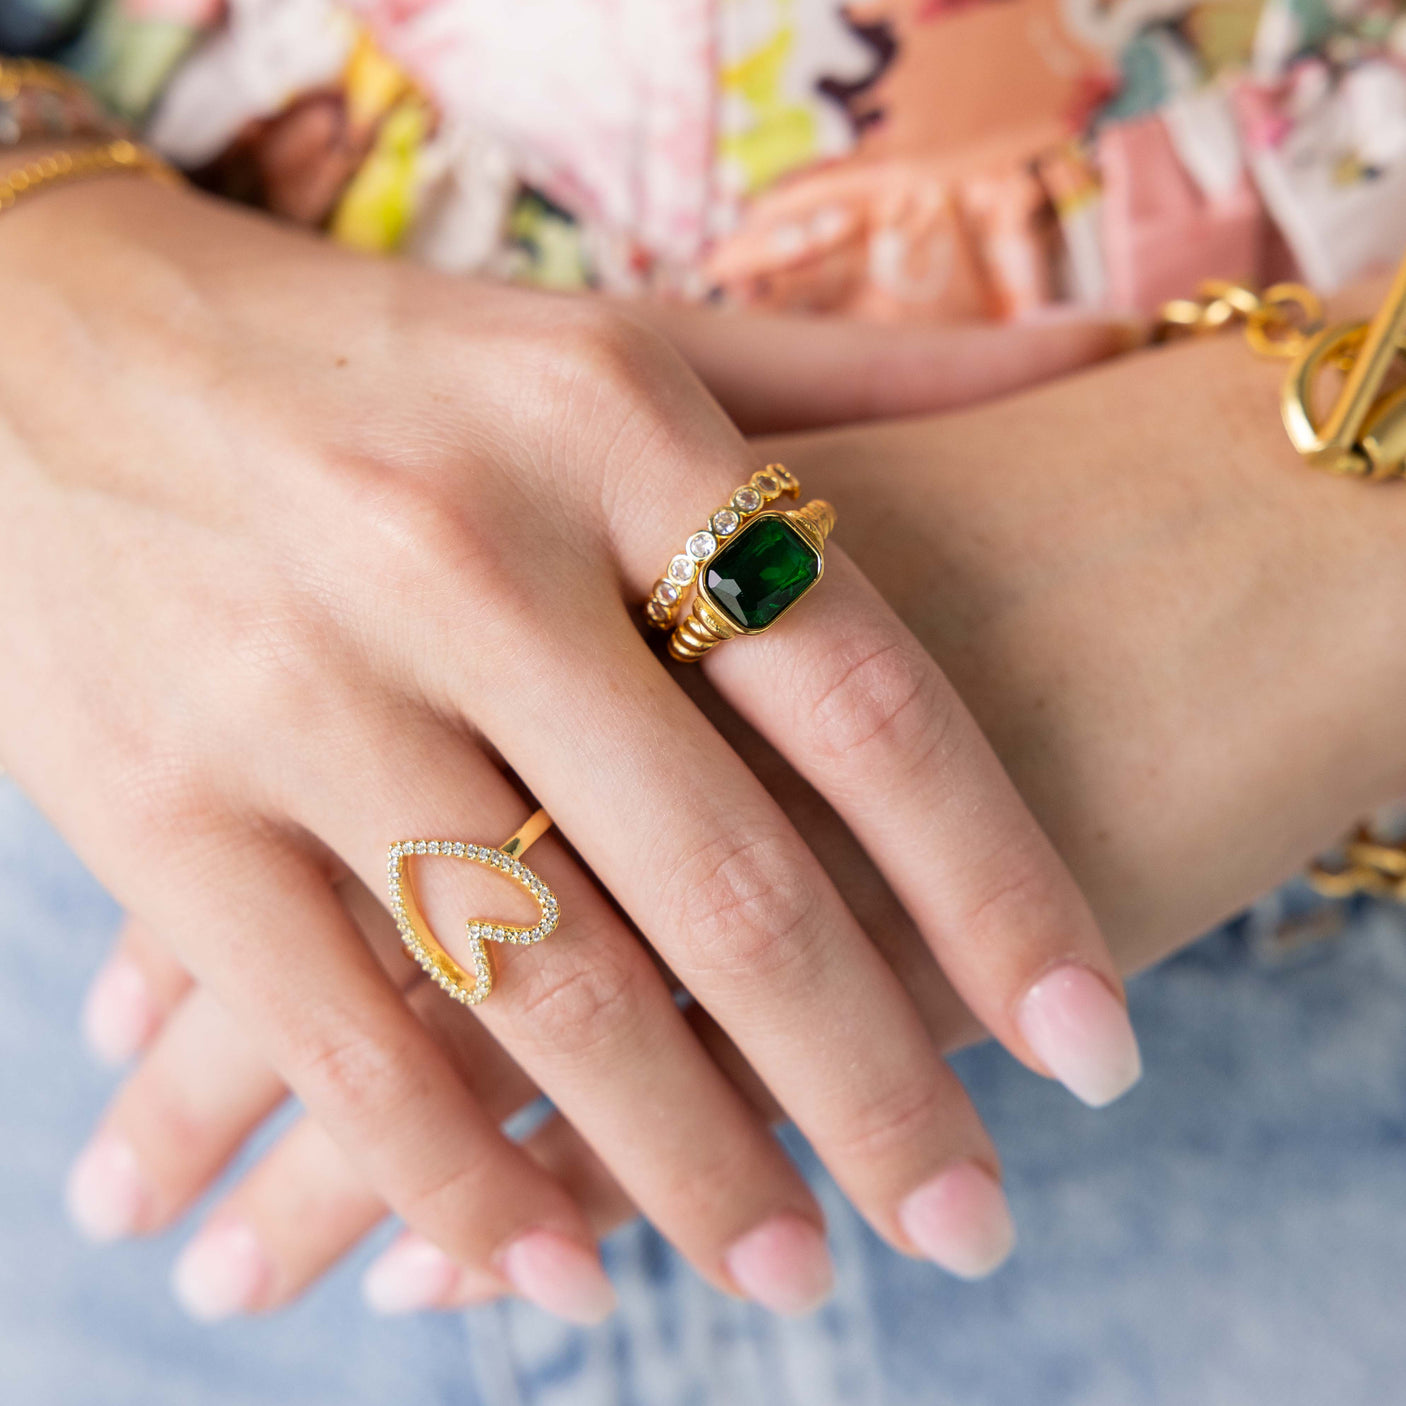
(1369, 864)
(59, 167)
(1363, 435)
(39, 100)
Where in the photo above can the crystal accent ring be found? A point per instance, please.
(465, 986)
(750, 565)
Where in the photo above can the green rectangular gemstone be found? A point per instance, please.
(761, 572)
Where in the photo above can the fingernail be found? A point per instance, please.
(118, 1015)
(414, 1274)
(558, 1275)
(106, 1194)
(411, 1275)
(784, 1265)
(1081, 1032)
(223, 1271)
(961, 1221)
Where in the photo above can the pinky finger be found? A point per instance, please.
(131, 997)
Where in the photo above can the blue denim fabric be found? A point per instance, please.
(1234, 1232)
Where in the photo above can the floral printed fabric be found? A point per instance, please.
(939, 159)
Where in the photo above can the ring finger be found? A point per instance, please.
(590, 1019)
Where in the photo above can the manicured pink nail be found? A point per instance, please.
(107, 1195)
(118, 1016)
(414, 1274)
(411, 1275)
(783, 1264)
(558, 1275)
(961, 1221)
(1081, 1032)
(223, 1271)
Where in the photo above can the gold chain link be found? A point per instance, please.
(59, 167)
(18, 74)
(1370, 865)
(1281, 323)
(1278, 322)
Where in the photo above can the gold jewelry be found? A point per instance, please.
(1363, 435)
(765, 486)
(421, 943)
(751, 564)
(1369, 864)
(41, 100)
(747, 584)
(59, 167)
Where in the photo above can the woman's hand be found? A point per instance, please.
(1182, 641)
(296, 546)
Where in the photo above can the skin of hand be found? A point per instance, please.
(300, 549)
(1181, 640)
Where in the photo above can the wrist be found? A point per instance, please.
(1346, 541)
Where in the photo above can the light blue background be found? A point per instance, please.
(1234, 1232)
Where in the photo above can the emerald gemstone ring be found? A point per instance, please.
(754, 576)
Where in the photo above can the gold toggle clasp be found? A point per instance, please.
(1364, 434)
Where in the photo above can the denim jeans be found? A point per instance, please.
(1233, 1232)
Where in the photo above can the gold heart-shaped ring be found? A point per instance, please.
(469, 987)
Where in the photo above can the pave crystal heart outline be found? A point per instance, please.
(467, 987)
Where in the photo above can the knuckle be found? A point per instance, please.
(453, 1193)
(619, 385)
(889, 697)
(1022, 898)
(279, 646)
(890, 1124)
(748, 905)
(418, 538)
(353, 1073)
(163, 799)
(405, 522)
(606, 352)
(579, 1008)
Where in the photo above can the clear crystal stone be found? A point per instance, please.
(682, 569)
(747, 500)
(702, 545)
(725, 522)
(666, 593)
(766, 485)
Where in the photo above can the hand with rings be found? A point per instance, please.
(325, 555)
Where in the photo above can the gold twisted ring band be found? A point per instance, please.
(469, 987)
(751, 564)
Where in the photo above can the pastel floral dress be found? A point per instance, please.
(900, 159)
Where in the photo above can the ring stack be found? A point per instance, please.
(670, 590)
(749, 566)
